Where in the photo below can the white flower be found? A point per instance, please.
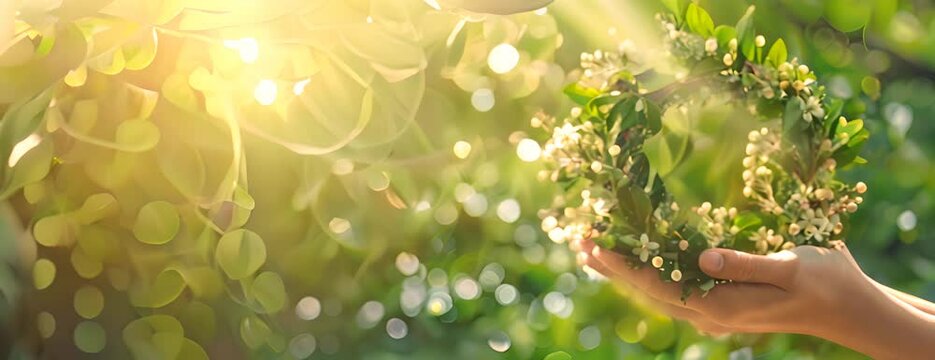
(815, 224)
(646, 248)
(765, 238)
(601, 207)
(813, 109)
(566, 135)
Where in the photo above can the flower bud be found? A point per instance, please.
(614, 150)
(597, 166)
(803, 70)
(732, 45)
(728, 59)
(861, 187)
(794, 229)
(753, 136)
(760, 41)
(676, 275)
(657, 262)
(788, 246)
(747, 191)
(851, 208)
(683, 245)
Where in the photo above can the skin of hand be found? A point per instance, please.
(808, 290)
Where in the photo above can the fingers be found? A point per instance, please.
(647, 280)
(778, 269)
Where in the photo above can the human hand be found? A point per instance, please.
(807, 290)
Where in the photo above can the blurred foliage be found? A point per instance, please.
(284, 179)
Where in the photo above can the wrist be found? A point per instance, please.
(874, 323)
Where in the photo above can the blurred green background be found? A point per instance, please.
(339, 179)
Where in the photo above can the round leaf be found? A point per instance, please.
(156, 336)
(55, 230)
(240, 253)
(137, 135)
(43, 273)
(269, 291)
(157, 223)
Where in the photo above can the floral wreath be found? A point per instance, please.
(612, 152)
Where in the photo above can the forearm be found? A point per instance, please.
(918, 303)
(882, 327)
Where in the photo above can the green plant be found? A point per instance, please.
(637, 119)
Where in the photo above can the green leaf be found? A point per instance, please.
(141, 51)
(699, 20)
(25, 81)
(43, 273)
(192, 351)
(792, 116)
(724, 34)
(777, 53)
(85, 266)
(254, 332)
(98, 242)
(746, 34)
(581, 95)
(184, 167)
(850, 130)
(834, 107)
(269, 290)
(137, 135)
(55, 230)
(157, 223)
(34, 165)
(848, 15)
(109, 63)
(677, 7)
(240, 253)
(167, 287)
(667, 148)
(154, 337)
(96, 207)
(746, 221)
(84, 115)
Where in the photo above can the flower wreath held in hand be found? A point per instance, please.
(613, 151)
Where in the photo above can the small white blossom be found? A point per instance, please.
(646, 248)
(813, 109)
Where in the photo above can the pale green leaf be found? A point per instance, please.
(240, 253)
(157, 223)
(269, 291)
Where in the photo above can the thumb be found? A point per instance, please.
(776, 269)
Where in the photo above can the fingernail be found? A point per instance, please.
(596, 251)
(711, 261)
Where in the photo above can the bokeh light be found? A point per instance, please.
(503, 58)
